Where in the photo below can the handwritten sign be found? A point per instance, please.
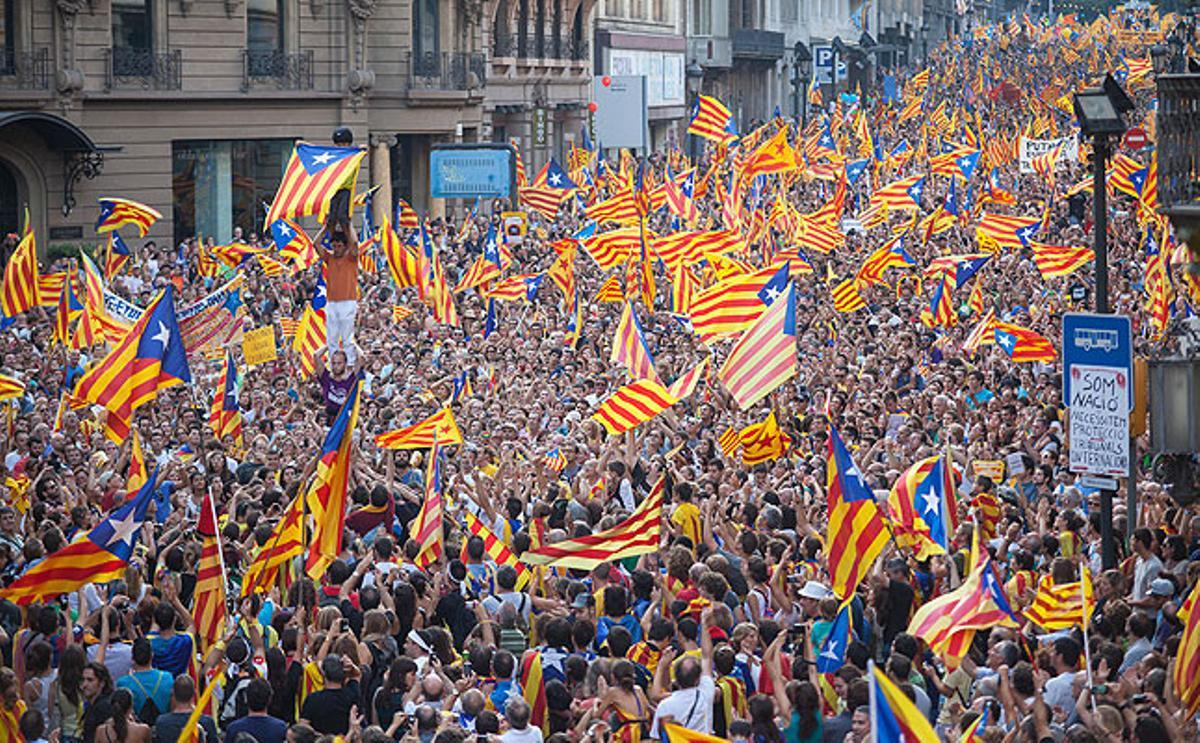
(258, 346)
(1028, 149)
(992, 469)
(1099, 420)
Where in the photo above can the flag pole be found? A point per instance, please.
(873, 691)
(1087, 651)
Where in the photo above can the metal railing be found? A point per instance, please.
(447, 70)
(284, 70)
(144, 68)
(25, 70)
(1179, 141)
(550, 48)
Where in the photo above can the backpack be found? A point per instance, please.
(149, 711)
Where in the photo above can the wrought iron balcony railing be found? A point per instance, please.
(25, 70)
(144, 68)
(447, 70)
(284, 70)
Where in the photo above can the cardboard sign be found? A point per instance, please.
(515, 225)
(258, 346)
(993, 469)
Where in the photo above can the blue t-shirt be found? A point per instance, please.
(264, 728)
(153, 684)
(171, 654)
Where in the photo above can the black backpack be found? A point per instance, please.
(149, 711)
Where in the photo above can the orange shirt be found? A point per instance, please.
(341, 277)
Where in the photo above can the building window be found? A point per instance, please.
(556, 31)
(523, 28)
(539, 31)
(222, 184)
(131, 24)
(8, 48)
(702, 17)
(264, 25)
(502, 46)
(425, 28)
(660, 10)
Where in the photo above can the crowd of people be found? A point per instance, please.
(719, 629)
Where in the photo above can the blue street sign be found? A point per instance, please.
(1096, 340)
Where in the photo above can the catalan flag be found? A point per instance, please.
(922, 509)
(633, 405)
(846, 297)
(545, 200)
(1007, 231)
(683, 387)
(765, 356)
(151, 357)
(99, 556)
(310, 332)
(326, 494)
(629, 347)
(856, 533)
(19, 291)
(286, 542)
(613, 248)
(192, 731)
(711, 120)
(497, 550)
(894, 717)
(734, 304)
(313, 175)
(672, 733)
(902, 194)
(116, 213)
(762, 442)
(832, 655)
(949, 622)
(1064, 605)
(1023, 344)
(293, 244)
(1059, 260)
(941, 309)
(486, 267)
(273, 267)
(421, 435)
(426, 528)
(729, 441)
(1186, 676)
(636, 535)
(890, 255)
(402, 260)
(225, 417)
(610, 291)
(209, 612)
(115, 256)
(10, 388)
(68, 309)
(555, 461)
(137, 474)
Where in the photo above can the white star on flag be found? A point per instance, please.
(555, 179)
(163, 335)
(831, 651)
(931, 502)
(123, 529)
(323, 158)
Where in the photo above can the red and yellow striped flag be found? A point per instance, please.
(1187, 664)
(846, 297)
(1059, 260)
(610, 291)
(10, 387)
(286, 541)
(1062, 606)
(314, 174)
(636, 535)
(629, 347)
(19, 291)
(497, 550)
(426, 529)
(729, 441)
(209, 612)
(400, 313)
(421, 435)
(326, 496)
(762, 442)
(633, 405)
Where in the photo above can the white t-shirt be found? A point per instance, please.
(689, 708)
(531, 734)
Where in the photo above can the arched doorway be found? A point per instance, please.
(10, 201)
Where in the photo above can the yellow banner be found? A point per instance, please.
(258, 346)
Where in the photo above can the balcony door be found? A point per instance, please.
(264, 37)
(132, 38)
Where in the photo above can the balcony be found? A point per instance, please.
(574, 50)
(25, 70)
(275, 67)
(1179, 156)
(142, 68)
(447, 71)
(751, 43)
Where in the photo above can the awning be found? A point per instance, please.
(59, 134)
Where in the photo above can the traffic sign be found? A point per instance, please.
(1136, 139)
(1098, 390)
(823, 57)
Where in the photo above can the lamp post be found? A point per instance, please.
(695, 80)
(801, 74)
(1100, 112)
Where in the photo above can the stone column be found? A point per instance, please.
(381, 175)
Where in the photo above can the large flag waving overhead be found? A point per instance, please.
(327, 492)
(894, 717)
(426, 528)
(765, 355)
(856, 533)
(151, 357)
(636, 535)
(629, 347)
(633, 405)
(287, 541)
(225, 417)
(99, 556)
(421, 435)
(1187, 664)
(314, 174)
(711, 120)
(116, 213)
(19, 292)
